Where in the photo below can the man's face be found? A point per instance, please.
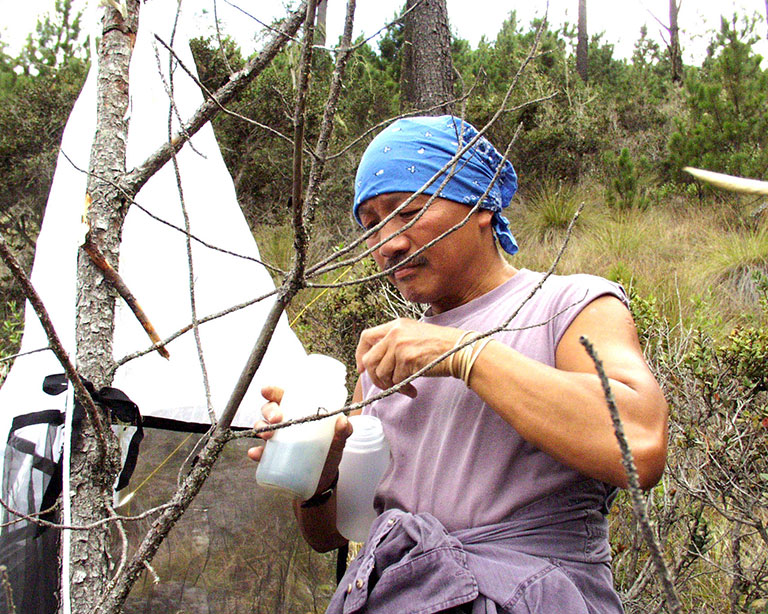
(448, 273)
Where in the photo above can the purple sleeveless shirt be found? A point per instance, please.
(452, 455)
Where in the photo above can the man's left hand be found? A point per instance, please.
(392, 352)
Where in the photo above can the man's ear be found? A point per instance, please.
(484, 217)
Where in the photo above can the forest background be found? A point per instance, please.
(694, 260)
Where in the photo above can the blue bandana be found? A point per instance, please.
(408, 153)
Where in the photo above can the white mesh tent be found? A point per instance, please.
(154, 264)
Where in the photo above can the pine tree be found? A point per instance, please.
(726, 127)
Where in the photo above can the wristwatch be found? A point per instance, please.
(320, 498)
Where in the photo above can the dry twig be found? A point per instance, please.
(113, 277)
(638, 503)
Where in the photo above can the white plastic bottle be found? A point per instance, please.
(366, 458)
(293, 458)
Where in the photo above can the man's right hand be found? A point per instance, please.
(273, 415)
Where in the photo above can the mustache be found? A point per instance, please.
(399, 259)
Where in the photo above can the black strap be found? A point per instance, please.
(124, 409)
(321, 498)
(48, 416)
(341, 562)
(180, 426)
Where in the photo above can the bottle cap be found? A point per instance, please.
(367, 433)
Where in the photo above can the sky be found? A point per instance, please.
(470, 19)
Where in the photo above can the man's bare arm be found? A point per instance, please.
(561, 409)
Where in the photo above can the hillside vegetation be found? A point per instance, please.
(694, 259)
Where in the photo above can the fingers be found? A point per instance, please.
(271, 410)
(369, 339)
(409, 390)
(390, 353)
(272, 415)
(273, 394)
(342, 428)
(342, 431)
(255, 453)
(389, 369)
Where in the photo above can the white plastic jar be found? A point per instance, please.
(294, 457)
(365, 460)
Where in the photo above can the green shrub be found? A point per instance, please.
(624, 190)
(550, 208)
(11, 330)
(709, 509)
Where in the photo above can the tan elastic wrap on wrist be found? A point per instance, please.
(460, 362)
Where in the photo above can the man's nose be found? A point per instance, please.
(394, 243)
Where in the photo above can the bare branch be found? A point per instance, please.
(134, 203)
(186, 329)
(259, 21)
(300, 232)
(8, 358)
(188, 241)
(399, 19)
(326, 127)
(123, 547)
(635, 491)
(20, 517)
(212, 97)
(35, 518)
(218, 37)
(204, 243)
(135, 179)
(113, 277)
(386, 122)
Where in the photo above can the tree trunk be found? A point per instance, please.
(427, 68)
(582, 60)
(675, 56)
(766, 15)
(322, 21)
(93, 468)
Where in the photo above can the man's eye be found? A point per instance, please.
(409, 214)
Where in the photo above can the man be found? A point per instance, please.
(504, 459)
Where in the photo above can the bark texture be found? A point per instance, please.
(92, 469)
(675, 55)
(322, 22)
(95, 453)
(582, 44)
(427, 68)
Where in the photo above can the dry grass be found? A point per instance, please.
(727, 265)
(691, 257)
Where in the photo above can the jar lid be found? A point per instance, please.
(367, 433)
